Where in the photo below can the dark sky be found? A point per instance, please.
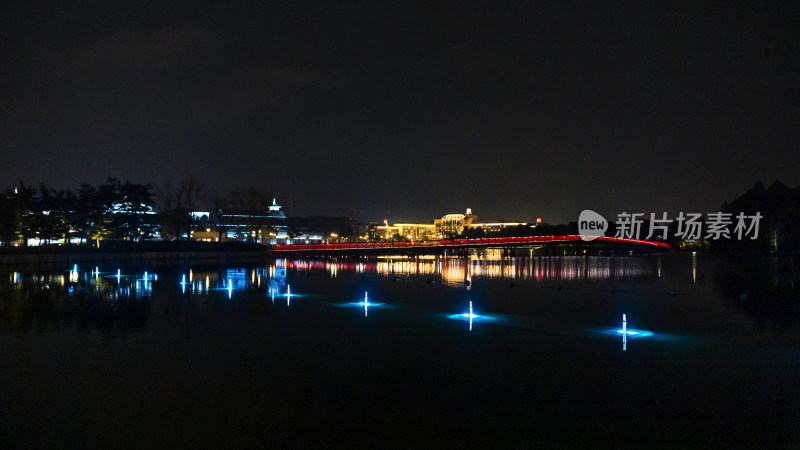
(408, 111)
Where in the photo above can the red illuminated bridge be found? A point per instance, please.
(444, 244)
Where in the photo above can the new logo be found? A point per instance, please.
(591, 225)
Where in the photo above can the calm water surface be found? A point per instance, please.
(287, 354)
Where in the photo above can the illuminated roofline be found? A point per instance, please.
(474, 225)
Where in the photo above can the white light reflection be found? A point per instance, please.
(365, 303)
(470, 315)
(624, 332)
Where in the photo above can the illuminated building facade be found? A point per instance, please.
(454, 224)
(269, 227)
(448, 225)
(262, 227)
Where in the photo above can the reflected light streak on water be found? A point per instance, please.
(457, 271)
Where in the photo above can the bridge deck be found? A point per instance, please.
(459, 243)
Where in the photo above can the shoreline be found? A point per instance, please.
(169, 257)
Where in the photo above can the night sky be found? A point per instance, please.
(408, 111)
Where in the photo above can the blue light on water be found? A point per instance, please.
(630, 333)
(634, 333)
(471, 316)
(626, 333)
(289, 294)
(367, 304)
(230, 288)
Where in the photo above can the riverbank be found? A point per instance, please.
(165, 252)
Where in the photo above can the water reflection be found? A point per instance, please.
(765, 289)
(98, 296)
(568, 268)
(84, 300)
(118, 299)
(456, 271)
(230, 280)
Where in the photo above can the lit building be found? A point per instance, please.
(448, 225)
(269, 227)
(237, 225)
(454, 224)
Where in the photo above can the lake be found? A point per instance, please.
(289, 354)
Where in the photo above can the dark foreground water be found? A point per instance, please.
(286, 354)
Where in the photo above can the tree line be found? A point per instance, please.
(113, 210)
